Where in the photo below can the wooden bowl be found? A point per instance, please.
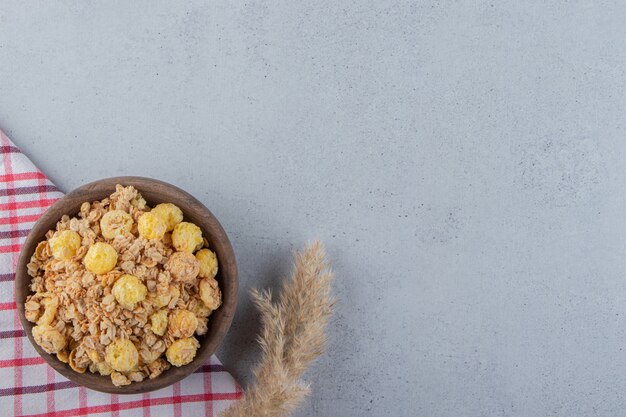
(154, 192)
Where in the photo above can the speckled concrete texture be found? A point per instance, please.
(462, 160)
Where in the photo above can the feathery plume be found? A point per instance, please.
(292, 336)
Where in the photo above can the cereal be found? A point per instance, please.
(128, 290)
(158, 322)
(51, 305)
(151, 226)
(183, 266)
(182, 323)
(187, 237)
(157, 367)
(208, 263)
(169, 213)
(210, 293)
(94, 356)
(31, 311)
(103, 368)
(42, 250)
(182, 351)
(115, 222)
(119, 380)
(65, 244)
(116, 294)
(100, 258)
(74, 364)
(138, 202)
(63, 356)
(160, 300)
(122, 355)
(50, 339)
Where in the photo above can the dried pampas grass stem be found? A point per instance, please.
(292, 336)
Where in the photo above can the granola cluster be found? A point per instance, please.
(122, 289)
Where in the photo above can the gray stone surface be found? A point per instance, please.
(462, 160)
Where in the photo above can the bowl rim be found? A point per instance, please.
(219, 243)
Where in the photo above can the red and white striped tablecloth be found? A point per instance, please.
(28, 386)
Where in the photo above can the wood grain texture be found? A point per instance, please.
(154, 192)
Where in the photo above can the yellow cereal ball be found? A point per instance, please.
(169, 213)
(210, 293)
(183, 266)
(128, 290)
(115, 222)
(122, 355)
(187, 237)
(65, 244)
(182, 323)
(50, 339)
(208, 263)
(100, 258)
(151, 226)
(159, 322)
(182, 351)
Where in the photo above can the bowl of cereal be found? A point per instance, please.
(126, 285)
